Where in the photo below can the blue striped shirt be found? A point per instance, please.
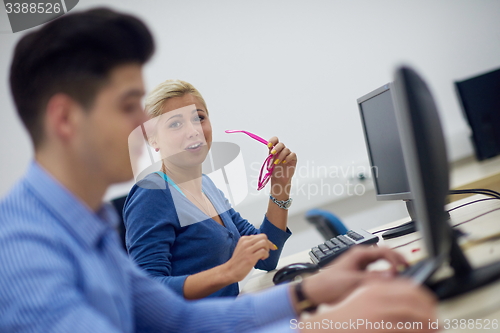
(63, 271)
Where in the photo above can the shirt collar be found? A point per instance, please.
(78, 218)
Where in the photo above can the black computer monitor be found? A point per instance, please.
(426, 164)
(378, 116)
(480, 100)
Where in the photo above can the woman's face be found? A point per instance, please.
(183, 132)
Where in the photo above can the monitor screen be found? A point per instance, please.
(377, 110)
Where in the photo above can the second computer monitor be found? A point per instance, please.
(378, 116)
(480, 99)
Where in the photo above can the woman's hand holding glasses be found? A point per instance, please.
(284, 161)
(278, 166)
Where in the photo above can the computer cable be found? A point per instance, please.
(484, 191)
(469, 220)
(387, 229)
(463, 205)
(470, 203)
(470, 243)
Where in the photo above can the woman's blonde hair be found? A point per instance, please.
(169, 89)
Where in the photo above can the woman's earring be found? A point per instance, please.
(157, 149)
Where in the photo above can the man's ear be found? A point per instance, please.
(62, 117)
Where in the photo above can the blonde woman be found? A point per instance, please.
(180, 227)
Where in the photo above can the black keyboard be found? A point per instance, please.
(331, 249)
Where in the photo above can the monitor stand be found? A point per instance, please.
(465, 278)
(406, 228)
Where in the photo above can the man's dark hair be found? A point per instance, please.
(74, 55)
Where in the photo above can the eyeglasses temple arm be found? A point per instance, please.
(256, 137)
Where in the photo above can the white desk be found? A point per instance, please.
(483, 303)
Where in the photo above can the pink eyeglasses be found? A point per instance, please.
(268, 163)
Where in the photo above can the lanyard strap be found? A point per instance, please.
(170, 181)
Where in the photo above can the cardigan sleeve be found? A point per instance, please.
(151, 224)
(273, 233)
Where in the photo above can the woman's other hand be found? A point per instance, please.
(248, 251)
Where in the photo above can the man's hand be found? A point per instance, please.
(397, 305)
(337, 281)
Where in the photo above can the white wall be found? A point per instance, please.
(295, 69)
